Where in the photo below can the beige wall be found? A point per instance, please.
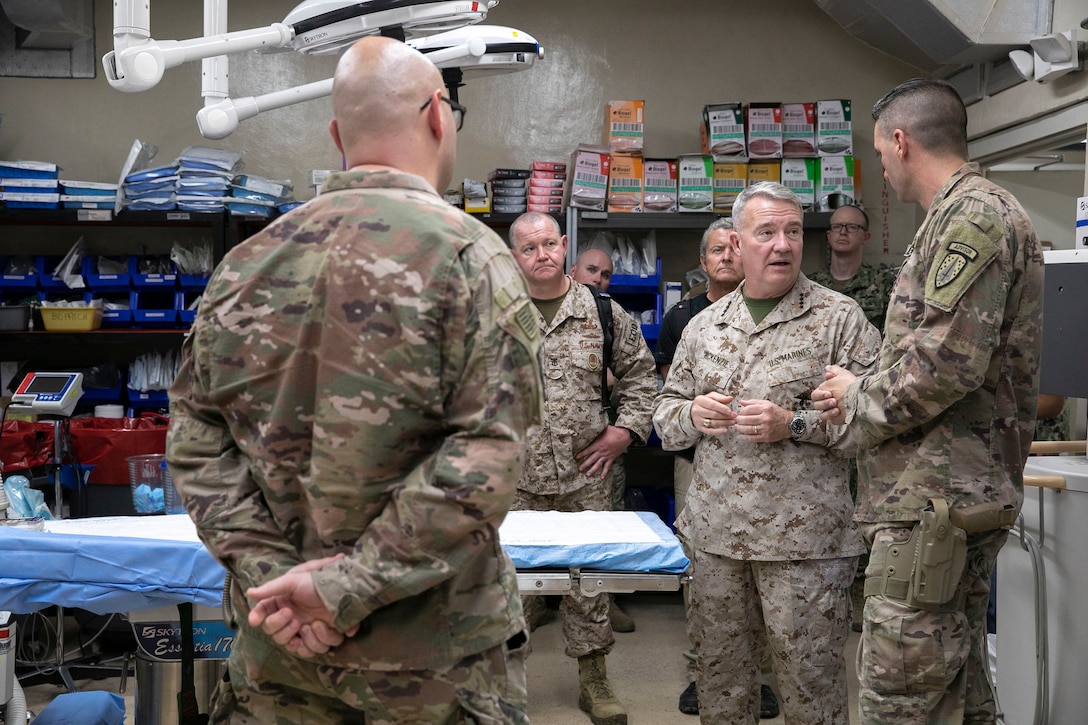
(676, 56)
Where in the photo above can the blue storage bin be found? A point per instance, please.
(18, 281)
(142, 280)
(109, 282)
(46, 281)
(111, 394)
(150, 399)
(154, 308)
(186, 298)
(114, 317)
(193, 281)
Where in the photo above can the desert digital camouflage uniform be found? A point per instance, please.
(359, 380)
(949, 412)
(776, 517)
(571, 358)
(871, 288)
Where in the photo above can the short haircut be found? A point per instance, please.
(532, 218)
(769, 189)
(929, 111)
(862, 211)
(722, 222)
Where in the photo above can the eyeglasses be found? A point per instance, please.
(852, 228)
(459, 111)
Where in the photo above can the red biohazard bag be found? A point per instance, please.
(25, 445)
(105, 443)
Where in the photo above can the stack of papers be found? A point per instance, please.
(29, 184)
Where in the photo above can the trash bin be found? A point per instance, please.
(145, 479)
(158, 683)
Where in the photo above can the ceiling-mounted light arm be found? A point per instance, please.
(214, 71)
(138, 62)
(219, 120)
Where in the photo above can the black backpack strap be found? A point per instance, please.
(604, 311)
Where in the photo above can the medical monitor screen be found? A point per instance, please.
(47, 384)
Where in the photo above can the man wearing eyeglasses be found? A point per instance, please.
(348, 427)
(869, 285)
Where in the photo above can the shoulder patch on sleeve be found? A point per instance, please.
(526, 320)
(969, 246)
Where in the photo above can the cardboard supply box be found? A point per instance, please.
(536, 185)
(834, 134)
(659, 179)
(798, 129)
(550, 166)
(695, 182)
(724, 125)
(546, 208)
(625, 184)
(588, 183)
(763, 122)
(800, 176)
(764, 171)
(623, 131)
(478, 205)
(730, 178)
(836, 177)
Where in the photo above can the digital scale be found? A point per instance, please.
(48, 393)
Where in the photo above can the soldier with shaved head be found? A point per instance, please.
(348, 427)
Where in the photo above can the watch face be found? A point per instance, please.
(798, 426)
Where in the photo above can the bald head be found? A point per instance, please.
(379, 86)
(593, 267)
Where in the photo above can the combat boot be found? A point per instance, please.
(595, 692)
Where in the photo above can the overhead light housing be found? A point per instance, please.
(1051, 56)
(1054, 47)
(1023, 63)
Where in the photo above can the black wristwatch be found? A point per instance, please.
(798, 426)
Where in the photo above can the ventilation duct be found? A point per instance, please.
(940, 36)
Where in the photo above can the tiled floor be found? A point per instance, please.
(646, 668)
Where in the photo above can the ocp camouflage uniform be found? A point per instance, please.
(870, 287)
(770, 524)
(359, 381)
(571, 358)
(949, 413)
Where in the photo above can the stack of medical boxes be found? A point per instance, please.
(509, 190)
(29, 185)
(546, 183)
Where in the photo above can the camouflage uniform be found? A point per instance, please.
(871, 288)
(1054, 429)
(949, 413)
(573, 417)
(769, 523)
(358, 381)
